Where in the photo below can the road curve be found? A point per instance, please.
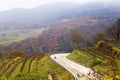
(71, 66)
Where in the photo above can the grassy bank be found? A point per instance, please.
(86, 58)
(83, 58)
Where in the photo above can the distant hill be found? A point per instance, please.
(43, 14)
(20, 17)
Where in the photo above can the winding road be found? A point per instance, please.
(78, 71)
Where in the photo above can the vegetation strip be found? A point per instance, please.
(25, 60)
(30, 64)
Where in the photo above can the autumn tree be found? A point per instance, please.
(114, 30)
(89, 43)
(100, 36)
(113, 66)
(1, 54)
(77, 37)
(111, 59)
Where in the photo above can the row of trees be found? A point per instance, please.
(77, 37)
(112, 33)
(114, 30)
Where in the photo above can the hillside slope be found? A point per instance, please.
(57, 37)
(33, 67)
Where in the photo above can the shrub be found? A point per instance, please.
(109, 46)
(116, 51)
(117, 77)
(104, 46)
(108, 77)
(100, 44)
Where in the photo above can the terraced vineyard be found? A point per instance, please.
(97, 53)
(34, 67)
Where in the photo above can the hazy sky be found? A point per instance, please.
(8, 4)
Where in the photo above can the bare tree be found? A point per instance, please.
(77, 37)
(114, 30)
(100, 36)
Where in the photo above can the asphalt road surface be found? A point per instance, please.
(78, 71)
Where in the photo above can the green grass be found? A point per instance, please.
(26, 67)
(118, 63)
(83, 58)
(117, 45)
(86, 59)
(15, 35)
(16, 71)
(33, 66)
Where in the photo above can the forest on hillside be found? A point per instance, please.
(56, 38)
